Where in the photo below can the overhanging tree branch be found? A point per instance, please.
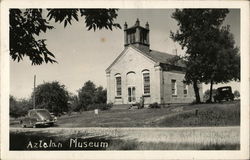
(26, 25)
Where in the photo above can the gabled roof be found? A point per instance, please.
(160, 57)
(155, 56)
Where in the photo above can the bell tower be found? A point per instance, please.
(137, 35)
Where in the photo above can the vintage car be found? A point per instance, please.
(224, 93)
(38, 117)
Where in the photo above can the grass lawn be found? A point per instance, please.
(180, 127)
(217, 114)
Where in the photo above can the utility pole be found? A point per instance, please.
(34, 96)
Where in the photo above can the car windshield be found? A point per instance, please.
(43, 113)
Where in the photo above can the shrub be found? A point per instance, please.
(102, 106)
(154, 105)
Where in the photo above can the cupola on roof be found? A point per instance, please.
(137, 35)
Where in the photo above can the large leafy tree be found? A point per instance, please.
(100, 95)
(52, 96)
(26, 25)
(211, 55)
(90, 94)
(223, 60)
(86, 94)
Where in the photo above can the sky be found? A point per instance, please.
(84, 55)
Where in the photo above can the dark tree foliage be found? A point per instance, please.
(26, 25)
(19, 107)
(13, 107)
(52, 96)
(100, 95)
(211, 55)
(86, 94)
(73, 103)
(90, 94)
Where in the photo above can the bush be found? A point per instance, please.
(154, 105)
(102, 106)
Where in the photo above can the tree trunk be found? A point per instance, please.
(196, 91)
(211, 91)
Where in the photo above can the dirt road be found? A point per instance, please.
(174, 135)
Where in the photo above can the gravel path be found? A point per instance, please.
(204, 135)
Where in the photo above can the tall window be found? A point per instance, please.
(174, 87)
(146, 82)
(185, 89)
(118, 80)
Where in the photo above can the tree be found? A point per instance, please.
(236, 94)
(19, 107)
(74, 103)
(52, 96)
(211, 55)
(27, 24)
(100, 95)
(13, 106)
(222, 59)
(90, 94)
(86, 94)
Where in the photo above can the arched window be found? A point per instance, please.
(118, 85)
(131, 79)
(146, 82)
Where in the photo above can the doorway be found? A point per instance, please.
(131, 94)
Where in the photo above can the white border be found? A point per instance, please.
(243, 153)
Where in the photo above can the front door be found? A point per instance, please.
(131, 94)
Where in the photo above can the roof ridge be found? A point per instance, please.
(162, 52)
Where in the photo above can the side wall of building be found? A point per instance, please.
(180, 97)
